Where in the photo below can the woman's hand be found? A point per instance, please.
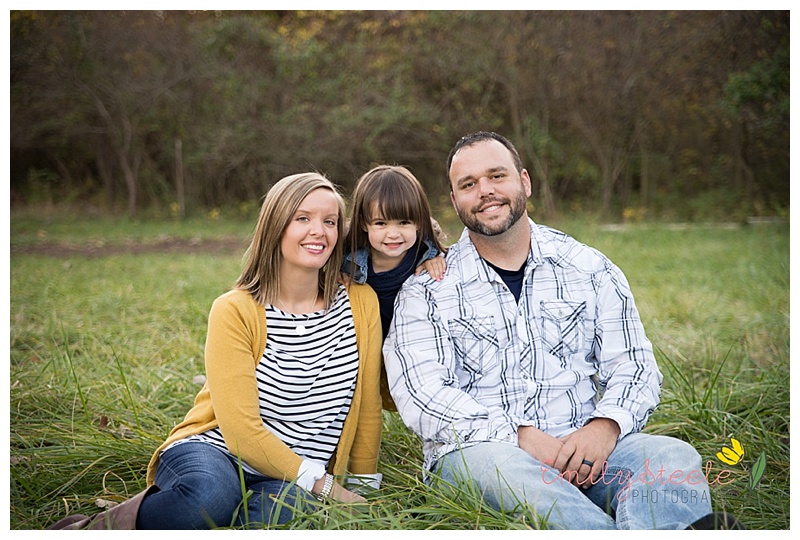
(338, 493)
(345, 496)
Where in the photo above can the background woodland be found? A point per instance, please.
(665, 115)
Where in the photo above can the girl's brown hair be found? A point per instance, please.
(260, 275)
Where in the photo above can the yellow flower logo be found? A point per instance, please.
(733, 454)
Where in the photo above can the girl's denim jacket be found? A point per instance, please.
(428, 251)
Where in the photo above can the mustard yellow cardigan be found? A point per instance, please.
(237, 336)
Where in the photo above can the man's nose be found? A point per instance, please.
(485, 187)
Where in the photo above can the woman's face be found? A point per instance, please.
(311, 235)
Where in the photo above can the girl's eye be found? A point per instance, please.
(331, 222)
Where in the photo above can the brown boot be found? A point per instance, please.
(120, 517)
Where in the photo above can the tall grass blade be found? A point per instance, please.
(68, 356)
(132, 401)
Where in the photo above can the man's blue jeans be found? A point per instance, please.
(649, 482)
(200, 489)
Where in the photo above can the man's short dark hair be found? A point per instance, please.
(478, 136)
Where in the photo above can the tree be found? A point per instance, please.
(100, 76)
(684, 113)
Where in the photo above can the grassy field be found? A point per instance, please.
(104, 351)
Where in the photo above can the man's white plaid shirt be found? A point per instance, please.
(467, 364)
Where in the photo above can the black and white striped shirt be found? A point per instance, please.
(305, 379)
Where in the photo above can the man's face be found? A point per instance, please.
(488, 193)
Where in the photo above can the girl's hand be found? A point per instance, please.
(435, 267)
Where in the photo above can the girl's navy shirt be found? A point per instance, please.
(387, 284)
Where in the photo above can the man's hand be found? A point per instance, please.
(592, 443)
(539, 444)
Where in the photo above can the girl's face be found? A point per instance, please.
(389, 239)
(311, 235)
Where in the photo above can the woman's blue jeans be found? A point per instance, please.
(649, 482)
(200, 488)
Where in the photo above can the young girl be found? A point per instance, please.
(391, 235)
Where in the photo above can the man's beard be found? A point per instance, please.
(516, 210)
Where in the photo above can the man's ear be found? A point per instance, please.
(526, 181)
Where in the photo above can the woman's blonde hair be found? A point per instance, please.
(262, 260)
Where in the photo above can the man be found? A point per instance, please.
(526, 370)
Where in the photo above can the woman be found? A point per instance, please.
(292, 398)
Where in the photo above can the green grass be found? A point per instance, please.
(103, 352)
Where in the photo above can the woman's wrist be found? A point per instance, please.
(325, 488)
